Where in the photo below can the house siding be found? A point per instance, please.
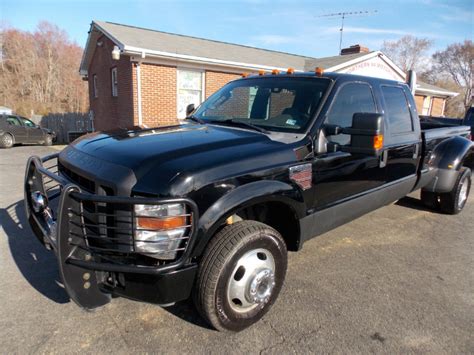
(437, 106)
(419, 99)
(215, 80)
(158, 94)
(111, 112)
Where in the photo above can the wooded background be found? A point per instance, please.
(39, 71)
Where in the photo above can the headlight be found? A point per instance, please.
(160, 229)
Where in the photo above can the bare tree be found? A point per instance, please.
(408, 52)
(457, 62)
(39, 71)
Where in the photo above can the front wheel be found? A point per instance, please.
(454, 201)
(241, 275)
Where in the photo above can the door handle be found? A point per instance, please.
(383, 159)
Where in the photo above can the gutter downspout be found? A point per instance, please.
(139, 95)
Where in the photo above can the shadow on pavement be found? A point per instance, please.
(38, 265)
(187, 312)
(413, 203)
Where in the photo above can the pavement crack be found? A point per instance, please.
(119, 331)
(278, 343)
(284, 341)
(308, 334)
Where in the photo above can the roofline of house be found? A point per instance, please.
(365, 57)
(143, 53)
(129, 50)
(437, 92)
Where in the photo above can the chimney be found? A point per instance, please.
(356, 48)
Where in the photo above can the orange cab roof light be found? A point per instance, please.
(290, 71)
(275, 72)
(244, 75)
(319, 71)
(261, 72)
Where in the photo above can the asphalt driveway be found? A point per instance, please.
(398, 280)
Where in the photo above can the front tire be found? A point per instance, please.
(454, 201)
(241, 275)
(6, 140)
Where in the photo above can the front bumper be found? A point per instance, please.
(92, 237)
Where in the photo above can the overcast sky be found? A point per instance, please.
(298, 27)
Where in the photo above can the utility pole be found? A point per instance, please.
(345, 14)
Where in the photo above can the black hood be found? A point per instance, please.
(173, 160)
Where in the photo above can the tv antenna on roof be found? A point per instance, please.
(345, 14)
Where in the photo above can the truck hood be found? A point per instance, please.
(174, 160)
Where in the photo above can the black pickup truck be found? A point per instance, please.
(210, 207)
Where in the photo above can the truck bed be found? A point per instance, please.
(433, 131)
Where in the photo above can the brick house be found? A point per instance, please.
(141, 77)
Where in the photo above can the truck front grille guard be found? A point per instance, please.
(93, 231)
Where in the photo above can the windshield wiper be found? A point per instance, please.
(231, 121)
(195, 119)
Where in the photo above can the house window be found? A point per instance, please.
(426, 110)
(113, 75)
(190, 90)
(94, 86)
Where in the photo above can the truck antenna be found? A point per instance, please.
(345, 14)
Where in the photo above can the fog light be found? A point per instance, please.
(38, 201)
(161, 229)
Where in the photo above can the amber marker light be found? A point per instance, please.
(319, 71)
(244, 75)
(261, 72)
(290, 71)
(153, 223)
(275, 71)
(378, 141)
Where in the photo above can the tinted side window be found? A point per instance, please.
(12, 120)
(27, 123)
(351, 98)
(397, 111)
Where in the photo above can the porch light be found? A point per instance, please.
(116, 53)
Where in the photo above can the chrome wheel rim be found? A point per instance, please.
(252, 281)
(7, 140)
(463, 193)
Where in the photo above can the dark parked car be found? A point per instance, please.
(19, 130)
(209, 208)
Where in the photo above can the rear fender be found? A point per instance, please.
(244, 196)
(448, 157)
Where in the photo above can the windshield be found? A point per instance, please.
(275, 104)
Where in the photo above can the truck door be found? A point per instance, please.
(402, 136)
(338, 175)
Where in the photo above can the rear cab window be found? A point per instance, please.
(397, 110)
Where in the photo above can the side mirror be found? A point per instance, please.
(189, 109)
(366, 134)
